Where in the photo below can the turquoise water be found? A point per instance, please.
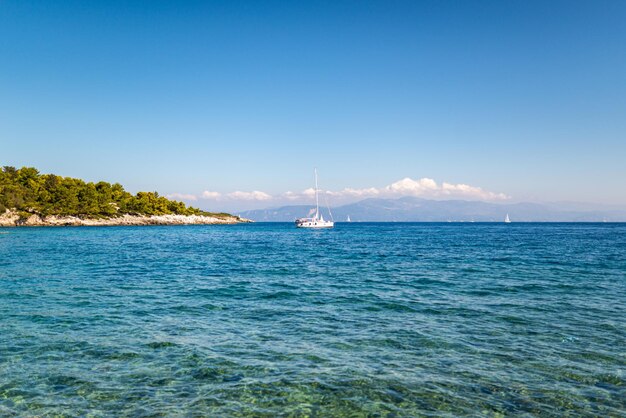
(267, 320)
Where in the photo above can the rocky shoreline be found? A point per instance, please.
(10, 219)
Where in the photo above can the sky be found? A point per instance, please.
(231, 105)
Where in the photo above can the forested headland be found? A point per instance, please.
(28, 192)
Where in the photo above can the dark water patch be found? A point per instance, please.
(63, 382)
(210, 373)
(391, 307)
(513, 320)
(161, 344)
(105, 353)
(612, 381)
(184, 309)
(279, 295)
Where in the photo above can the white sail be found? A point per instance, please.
(506, 219)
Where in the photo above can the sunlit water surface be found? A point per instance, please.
(267, 320)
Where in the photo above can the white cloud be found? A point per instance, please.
(211, 195)
(371, 191)
(253, 195)
(291, 195)
(310, 192)
(471, 191)
(182, 196)
(408, 186)
(424, 187)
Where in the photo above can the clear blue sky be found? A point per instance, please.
(519, 97)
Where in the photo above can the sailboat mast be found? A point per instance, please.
(317, 201)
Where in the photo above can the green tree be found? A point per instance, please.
(26, 190)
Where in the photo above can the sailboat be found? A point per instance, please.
(317, 221)
(348, 220)
(506, 219)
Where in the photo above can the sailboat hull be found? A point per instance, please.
(314, 223)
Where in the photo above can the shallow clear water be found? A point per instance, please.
(268, 320)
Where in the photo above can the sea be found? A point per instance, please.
(267, 320)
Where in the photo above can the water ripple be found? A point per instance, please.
(266, 320)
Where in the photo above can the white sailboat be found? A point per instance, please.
(317, 221)
(506, 219)
(348, 220)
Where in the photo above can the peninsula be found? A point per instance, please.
(28, 198)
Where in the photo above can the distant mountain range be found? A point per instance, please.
(413, 209)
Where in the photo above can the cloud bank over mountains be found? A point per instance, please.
(423, 187)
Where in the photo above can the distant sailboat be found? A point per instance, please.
(317, 221)
(506, 219)
(348, 220)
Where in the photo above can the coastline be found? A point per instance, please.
(12, 219)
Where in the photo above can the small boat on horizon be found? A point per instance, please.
(348, 219)
(507, 220)
(317, 221)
